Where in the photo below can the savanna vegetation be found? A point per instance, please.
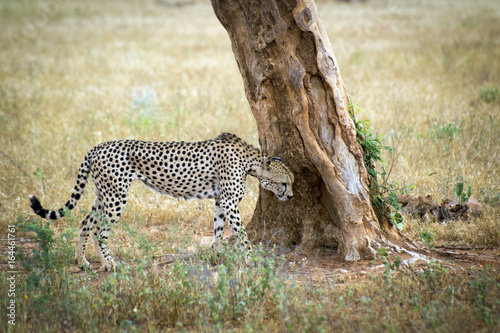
(73, 74)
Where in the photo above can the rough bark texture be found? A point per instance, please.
(293, 84)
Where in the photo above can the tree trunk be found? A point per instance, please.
(293, 84)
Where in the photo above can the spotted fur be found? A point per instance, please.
(214, 168)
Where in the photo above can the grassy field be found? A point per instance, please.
(74, 74)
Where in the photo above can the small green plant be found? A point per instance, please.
(427, 236)
(390, 199)
(51, 252)
(389, 266)
(41, 175)
(490, 94)
(447, 131)
(406, 189)
(383, 194)
(433, 275)
(482, 301)
(462, 192)
(451, 184)
(491, 196)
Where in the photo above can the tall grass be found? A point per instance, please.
(424, 73)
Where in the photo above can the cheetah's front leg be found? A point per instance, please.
(230, 208)
(108, 264)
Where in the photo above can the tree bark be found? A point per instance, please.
(293, 84)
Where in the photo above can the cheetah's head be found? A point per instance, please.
(277, 178)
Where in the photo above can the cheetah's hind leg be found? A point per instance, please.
(87, 225)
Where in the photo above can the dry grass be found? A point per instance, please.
(100, 70)
(104, 71)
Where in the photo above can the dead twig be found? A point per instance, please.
(14, 162)
(393, 162)
(174, 257)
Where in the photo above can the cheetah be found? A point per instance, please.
(215, 169)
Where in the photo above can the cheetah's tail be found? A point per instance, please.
(78, 190)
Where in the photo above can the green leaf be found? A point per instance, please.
(469, 192)
(382, 251)
(459, 188)
(397, 262)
